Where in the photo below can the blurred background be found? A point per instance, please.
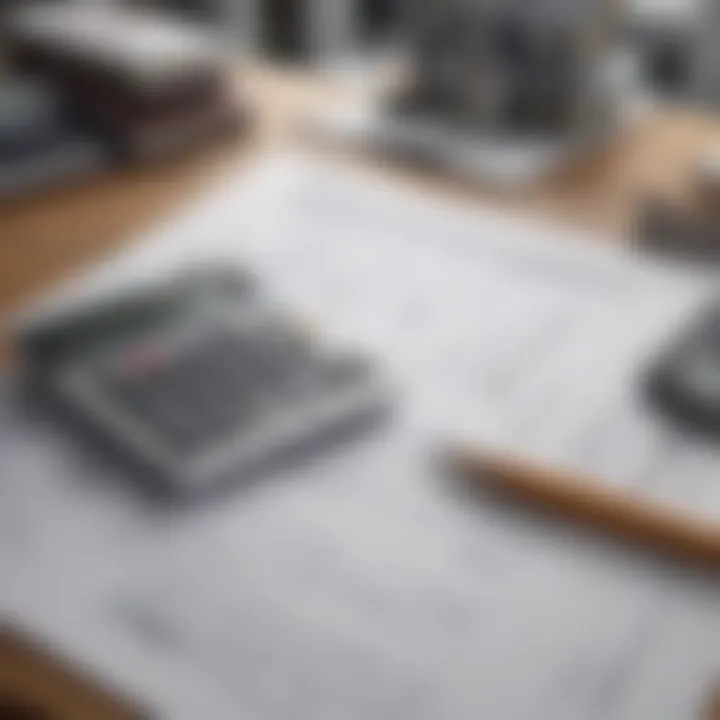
(672, 40)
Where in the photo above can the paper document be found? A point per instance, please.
(361, 585)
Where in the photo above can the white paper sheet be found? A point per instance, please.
(361, 585)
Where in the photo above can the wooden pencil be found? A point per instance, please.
(621, 512)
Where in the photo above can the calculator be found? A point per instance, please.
(201, 378)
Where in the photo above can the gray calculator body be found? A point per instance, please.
(201, 379)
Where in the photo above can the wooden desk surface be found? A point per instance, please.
(48, 237)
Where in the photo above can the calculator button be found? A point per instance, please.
(343, 371)
(143, 362)
(202, 393)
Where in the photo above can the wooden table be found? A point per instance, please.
(46, 238)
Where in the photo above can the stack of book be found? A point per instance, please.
(42, 142)
(148, 84)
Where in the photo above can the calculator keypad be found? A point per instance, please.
(207, 390)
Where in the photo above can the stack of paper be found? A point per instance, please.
(360, 585)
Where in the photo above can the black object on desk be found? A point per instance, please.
(199, 378)
(42, 142)
(685, 233)
(685, 382)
